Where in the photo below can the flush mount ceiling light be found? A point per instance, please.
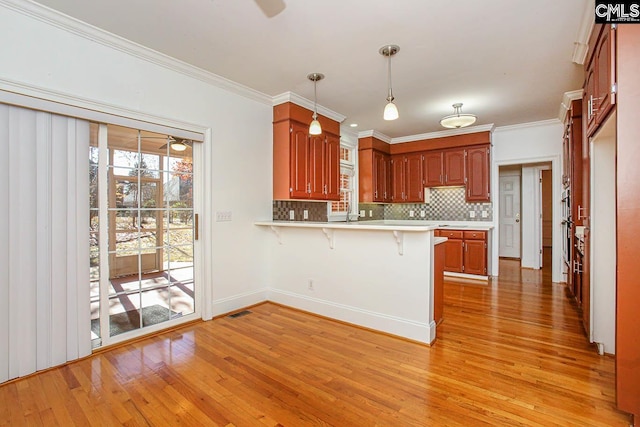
(458, 119)
(314, 127)
(390, 110)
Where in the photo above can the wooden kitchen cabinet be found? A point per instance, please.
(475, 252)
(599, 87)
(433, 168)
(444, 167)
(454, 250)
(304, 166)
(374, 171)
(478, 173)
(381, 177)
(454, 167)
(465, 251)
(406, 178)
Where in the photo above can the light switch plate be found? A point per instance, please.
(292, 214)
(472, 214)
(223, 216)
(362, 214)
(305, 214)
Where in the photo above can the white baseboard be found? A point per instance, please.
(236, 302)
(416, 331)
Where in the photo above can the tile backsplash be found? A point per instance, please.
(317, 211)
(445, 204)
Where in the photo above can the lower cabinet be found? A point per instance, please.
(475, 252)
(465, 251)
(453, 250)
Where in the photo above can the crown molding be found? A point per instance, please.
(581, 45)
(528, 125)
(304, 102)
(567, 98)
(97, 35)
(375, 134)
(444, 133)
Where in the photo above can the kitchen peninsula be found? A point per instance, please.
(376, 275)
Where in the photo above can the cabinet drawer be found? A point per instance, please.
(451, 234)
(475, 235)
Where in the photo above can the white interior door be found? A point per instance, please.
(509, 216)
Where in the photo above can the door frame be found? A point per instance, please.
(504, 171)
(556, 170)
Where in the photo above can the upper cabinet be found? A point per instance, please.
(478, 173)
(600, 85)
(454, 167)
(406, 178)
(374, 168)
(461, 160)
(304, 166)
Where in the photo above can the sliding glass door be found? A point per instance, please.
(143, 231)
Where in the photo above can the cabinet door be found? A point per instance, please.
(299, 158)
(332, 171)
(605, 73)
(397, 179)
(475, 257)
(478, 174)
(413, 177)
(317, 153)
(386, 180)
(589, 95)
(454, 167)
(454, 255)
(380, 172)
(433, 168)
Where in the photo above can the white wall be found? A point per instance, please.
(525, 144)
(603, 237)
(238, 169)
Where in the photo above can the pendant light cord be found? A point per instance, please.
(315, 98)
(390, 97)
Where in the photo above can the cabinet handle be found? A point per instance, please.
(581, 213)
(446, 178)
(309, 187)
(375, 194)
(197, 227)
(325, 189)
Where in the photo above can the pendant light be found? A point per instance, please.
(314, 127)
(457, 119)
(390, 110)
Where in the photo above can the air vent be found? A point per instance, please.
(239, 314)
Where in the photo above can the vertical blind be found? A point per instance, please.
(44, 241)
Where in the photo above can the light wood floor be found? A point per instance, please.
(511, 352)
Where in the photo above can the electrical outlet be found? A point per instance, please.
(292, 214)
(305, 214)
(423, 214)
(472, 214)
(223, 216)
(370, 213)
(362, 214)
(310, 284)
(412, 214)
(485, 214)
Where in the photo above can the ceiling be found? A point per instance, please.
(508, 61)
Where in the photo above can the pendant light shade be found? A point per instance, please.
(390, 110)
(458, 119)
(314, 127)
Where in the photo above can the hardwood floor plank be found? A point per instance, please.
(509, 352)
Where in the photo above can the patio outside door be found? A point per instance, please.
(142, 232)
